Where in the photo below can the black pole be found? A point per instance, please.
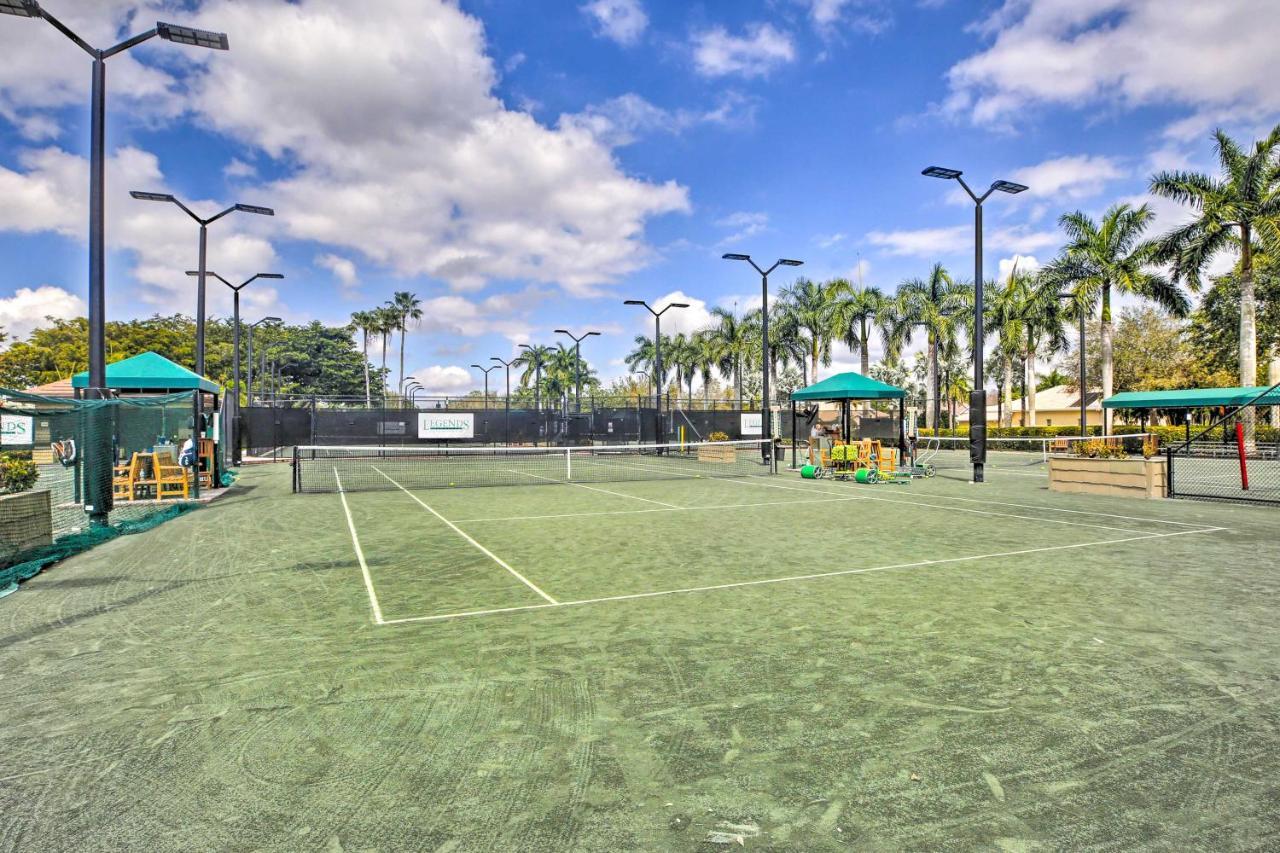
(793, 435)
(765, 408)
(200, 297)
(659, 433)
(577, 375)
(235, 378)
(977, 443)
(248, 381)
(98, 495)
(486, 390)
(506, 414)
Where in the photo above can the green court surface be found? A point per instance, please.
(765, 663)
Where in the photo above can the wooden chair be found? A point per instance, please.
(172, 479)
(122, 477)
(205, 465)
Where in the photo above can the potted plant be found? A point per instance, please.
(26, 517)
(1105, 467)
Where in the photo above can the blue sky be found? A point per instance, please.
(525, 166)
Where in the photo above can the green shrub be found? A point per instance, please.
(17, 475)
(718, 436)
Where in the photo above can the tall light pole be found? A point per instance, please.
(506, 411)
(485, 371)
(410, 386)
(659, 432)
(98, 498)
(767, 414)
(978, 396)
(577, 361)
(204, 245)
(235, 352)
(249, 377)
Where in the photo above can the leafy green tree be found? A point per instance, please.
(812, 308)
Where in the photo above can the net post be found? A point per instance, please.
(568, 465)
(296, 470)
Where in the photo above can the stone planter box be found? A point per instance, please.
(1130, 478)
(711, 453)
(26, 521)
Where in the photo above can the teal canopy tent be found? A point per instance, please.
(844, 388)
(149, 373)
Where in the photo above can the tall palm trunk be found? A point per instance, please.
(865, 364)
(1108, 367)
(1030, 383)
(385, 340)
(1248, 325)
(813, 350)
(404, 322)
(364, 334)
(932, 410)
(1006, 390)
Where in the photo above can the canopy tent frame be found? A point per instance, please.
(846, 389)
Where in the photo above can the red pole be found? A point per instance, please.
(1244, 472)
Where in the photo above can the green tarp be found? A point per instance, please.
(1190, 398)
(849, 386)
(149, 371)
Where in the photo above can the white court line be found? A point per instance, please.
(747, 481)
(791, 578)
(355, 540)
(646, 511)
(596, 489)
(492, 556)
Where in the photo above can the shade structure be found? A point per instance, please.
(849, 386)
(1192, 398)
(150, 371)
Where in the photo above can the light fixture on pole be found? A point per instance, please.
(978, 396)
(767, 403)
(506, 411)
(235, 352)
(659, 433)
(249, 374)
(98, 451)
(204, 243)
(577, 362)
(485, 371)
(410, 387)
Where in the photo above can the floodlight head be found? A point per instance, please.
(191, 36)
(941, 172)
(20, 8)
(269, 275)
(677, 304)
(477, 367)
(1008, 187)
(141, 196)
(633, 302)
(591, 334)
(271, 320)
(563, 332)
(525, 346)
(787, 262)
(730, 256)
(261, 211)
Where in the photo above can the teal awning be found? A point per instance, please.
(849, 386)
(149, 371)
(1190, 398)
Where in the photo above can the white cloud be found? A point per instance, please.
(716, 53)
(445, 380)
(47, 193)
(624, 119)
(687, 320)
(404, 154)
(502, 314)
(1209, 56)
(343, 269)
(826, 241)
(238, 169)
(827, 14)
(744, 224)
(623, 21)
(28, 307)
(1075, 177)
(1024, 264)
(933, 242)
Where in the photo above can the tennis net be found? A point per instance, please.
(1021, 452)
(355, 469)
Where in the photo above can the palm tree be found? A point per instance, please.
(1043, 329)
(935, 304)
(733, 335)
(407, 306)
(537, 355)
(811, 306)
(857, 313)
(365, 322)
(708, 358)
(388, 320)
(1005, 319)
(789, 344)
(1100, 258)
(1234, 210)
(643, 359)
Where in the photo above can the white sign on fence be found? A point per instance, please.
(752, 424)
(16, 429)
(446, 425)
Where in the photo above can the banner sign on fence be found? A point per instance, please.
(16, 429)
(446, 425)
(752, 424)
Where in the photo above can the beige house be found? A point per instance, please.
(1056, 406)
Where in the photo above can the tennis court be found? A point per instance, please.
(678, 662)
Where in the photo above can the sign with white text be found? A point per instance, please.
(752, 424)
(435, 426)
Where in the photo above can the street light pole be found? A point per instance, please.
(204, 243)
(659, 432)
(249, 377)
(506, 412)
(577, 362)
(98, 497)
(978, 396)
(485, 371)
(767, 407)
(235, 352)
